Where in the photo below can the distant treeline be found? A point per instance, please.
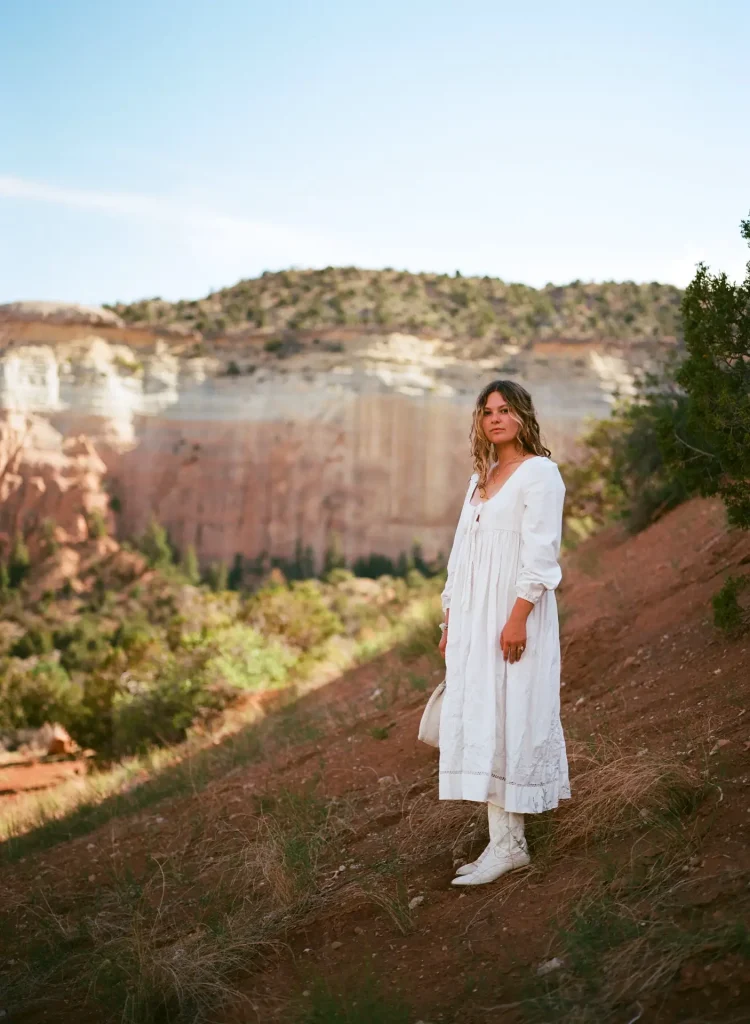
(246, 572)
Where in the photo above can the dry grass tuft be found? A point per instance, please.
(615, 789)
(392, 897)
(436, 827)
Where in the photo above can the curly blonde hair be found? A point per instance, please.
(522, 411)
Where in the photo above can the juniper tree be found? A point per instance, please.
(190, 567)
(716, 378)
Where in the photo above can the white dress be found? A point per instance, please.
(501, 739)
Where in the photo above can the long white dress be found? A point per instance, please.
(501, 738)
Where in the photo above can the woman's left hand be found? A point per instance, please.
(513, 639)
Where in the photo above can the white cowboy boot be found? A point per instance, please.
(499, 822)
(508, 849)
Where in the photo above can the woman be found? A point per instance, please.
(501, 741)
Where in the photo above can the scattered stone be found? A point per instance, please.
(415, 902)
(336, 945)
(549, 966)
(61, 742)
(718, 745)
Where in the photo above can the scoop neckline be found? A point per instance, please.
(505, 482)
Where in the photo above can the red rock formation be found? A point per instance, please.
(51, 488)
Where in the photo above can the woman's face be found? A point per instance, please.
(498, 423)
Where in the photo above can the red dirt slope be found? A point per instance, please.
(643, 667)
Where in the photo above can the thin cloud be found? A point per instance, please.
(235, 230)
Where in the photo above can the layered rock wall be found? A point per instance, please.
(238, 451)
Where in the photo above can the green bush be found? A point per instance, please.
(97, 525)
(134, 636)
(162, 712)
(729, 614)
(29, 697)
(245, 660)
(34, 641)
(296, 613)
(338, 575)
(83, 646)
(415, 579)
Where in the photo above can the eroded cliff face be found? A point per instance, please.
(235, 449)
(50, 485)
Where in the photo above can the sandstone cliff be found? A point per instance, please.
(238, 445)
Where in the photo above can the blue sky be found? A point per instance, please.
(168, 148)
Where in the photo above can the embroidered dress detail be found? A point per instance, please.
(501, 739)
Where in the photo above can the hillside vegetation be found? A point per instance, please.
(139, 658)
(443, 305)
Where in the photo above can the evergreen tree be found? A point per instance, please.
(373, 566)
(19, 561)
(190, 567)
(417, 558)
(716, 377)
(48, 532)
(334, 557)
(217, 576)
(404, 564)
(154, 544)
(236, 573)
(307, 562)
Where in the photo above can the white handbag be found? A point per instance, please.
(429, 725)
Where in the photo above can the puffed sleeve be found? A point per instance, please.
(445, 597)
(541, 533)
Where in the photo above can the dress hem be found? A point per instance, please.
(510, 795)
